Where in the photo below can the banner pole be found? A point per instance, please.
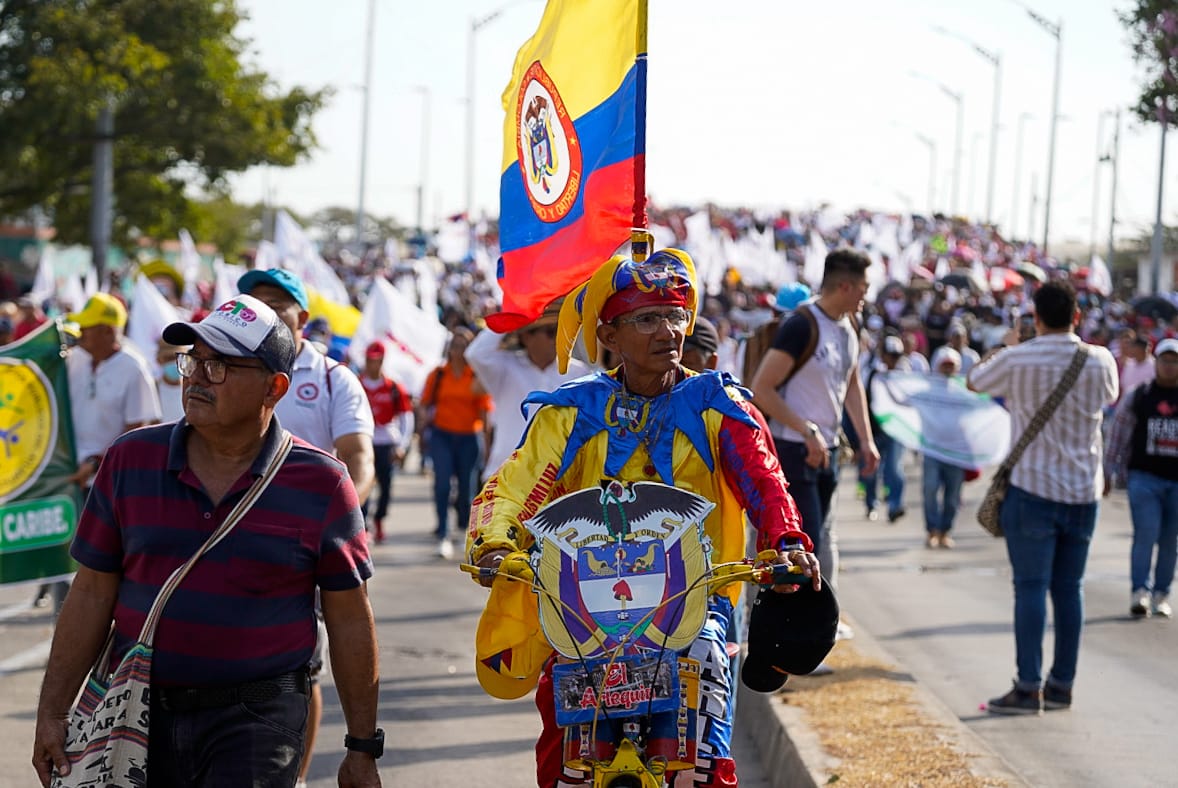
(640, 239)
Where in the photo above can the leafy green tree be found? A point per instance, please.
(1153, 36)
(188, 109)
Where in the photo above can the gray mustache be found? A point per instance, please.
(201, 391)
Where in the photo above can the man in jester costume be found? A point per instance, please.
(648, 420)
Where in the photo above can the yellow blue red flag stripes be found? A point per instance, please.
(574, 146)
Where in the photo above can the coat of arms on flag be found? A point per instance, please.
(619, 564)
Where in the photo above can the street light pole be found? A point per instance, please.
(476, 24)
(425, 102)
(1155, 246)
(364, 125)
(1055, 29)
(1018, 164)
(995, 59)
(932, 171)
(1112, 211)
(957, 148)
(1096, 179)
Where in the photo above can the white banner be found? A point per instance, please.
(413, 338)
(940, 417)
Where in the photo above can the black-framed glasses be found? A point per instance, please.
(215, 369)
(650, 322)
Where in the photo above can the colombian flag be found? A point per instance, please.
(573, 154)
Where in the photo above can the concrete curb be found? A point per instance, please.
(792, 754)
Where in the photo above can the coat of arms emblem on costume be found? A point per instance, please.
(621, 564)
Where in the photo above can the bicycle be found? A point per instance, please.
(625, 696)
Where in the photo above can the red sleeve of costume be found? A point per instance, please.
(750, 467)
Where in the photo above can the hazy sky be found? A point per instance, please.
(766, 103)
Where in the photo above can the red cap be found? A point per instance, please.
(374, 350)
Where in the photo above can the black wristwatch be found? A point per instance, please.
(373, 746)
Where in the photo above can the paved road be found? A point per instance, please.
(442, 730)
(946, 616)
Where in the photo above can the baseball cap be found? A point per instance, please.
(1166, 346)
(243, 327)
(789, 634)
(893, 345)
(705, 337)
(374, 350)
(945, 353)
(791, 295)
(102, 309)
(279, 277)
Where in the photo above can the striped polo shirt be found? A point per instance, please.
(1063, 462)
(246, 611)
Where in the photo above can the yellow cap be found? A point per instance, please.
(102, 309)
(161, 268)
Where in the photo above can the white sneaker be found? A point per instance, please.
(1161, 605)
(844, 632)
(445, 549)
(1139, 603)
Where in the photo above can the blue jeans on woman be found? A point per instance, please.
(942, 494)
(1047, 543)
(1153, 505)
(890, 454)
(455, 456)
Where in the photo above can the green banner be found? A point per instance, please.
(39, 506)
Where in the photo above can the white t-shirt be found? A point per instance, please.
(320, 412)
(509, 376)
(106, 398)
(171, 400)
(818, 388)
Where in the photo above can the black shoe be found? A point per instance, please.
(1055, 698)
(1017, 701)
(896, 515)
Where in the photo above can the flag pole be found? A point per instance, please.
(640, 238)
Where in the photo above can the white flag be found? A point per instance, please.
(1099, 278)
(940, 417)
(225, 280)
(189, 267)
(413, 339)
(90, 282)
(149, 315)
(266, 257)
(815, 265)
(301, 258)
(45, 282)
(71, 295)
(902, 266)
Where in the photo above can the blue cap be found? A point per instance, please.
(791, 296)
(278, 277)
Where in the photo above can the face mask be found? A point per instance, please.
(171, 372)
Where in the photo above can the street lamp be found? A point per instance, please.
(367, 88)
(476, 24)
(1055, 29)
(995, 59)
(1018, 165)
(425, 104)
(932, 171)
(957, 149)
(1112, 210)
(1100, 159)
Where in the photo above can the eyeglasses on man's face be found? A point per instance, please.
(215, 369)
(650, 322)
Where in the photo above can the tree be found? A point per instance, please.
(1153, 36)
(187, 109)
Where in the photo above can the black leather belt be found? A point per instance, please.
(193, 698)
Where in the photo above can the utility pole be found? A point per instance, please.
(1055, 29)
(1112, 211)
(1018, 165)
(1096, 180)
(364, 125)
(101, 190)
(1155, 246)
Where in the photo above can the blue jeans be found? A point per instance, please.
(813, 491)
(1153, 505)
(1047, 543)
(454, 455)
(256, 744)
(890, 454)
(940, 509)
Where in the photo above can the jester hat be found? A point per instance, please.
(622, 285)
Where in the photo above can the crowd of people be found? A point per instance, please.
(810, 381)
